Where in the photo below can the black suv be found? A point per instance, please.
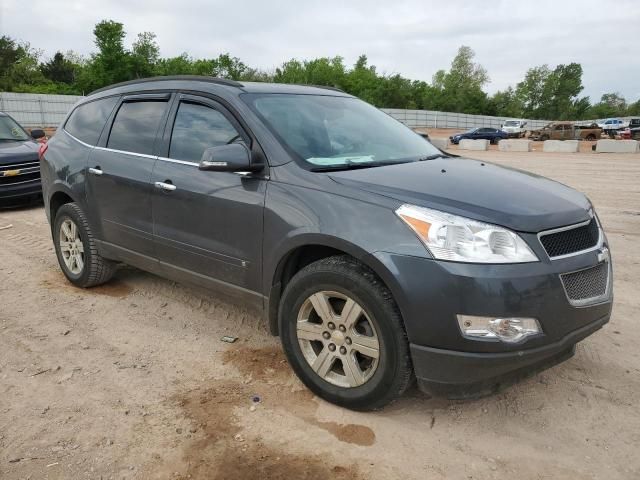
(19, 165)
(376, 257)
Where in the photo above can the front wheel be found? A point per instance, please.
(343, 334)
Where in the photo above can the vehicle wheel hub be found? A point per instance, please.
(338, 339)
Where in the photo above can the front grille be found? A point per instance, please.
(19, 172)
(570, 241)
(587, 286)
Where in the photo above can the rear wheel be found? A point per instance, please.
(343, 335)
(76, 249)
(591, 137)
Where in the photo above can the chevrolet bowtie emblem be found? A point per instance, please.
(11, 173)
(603, 254)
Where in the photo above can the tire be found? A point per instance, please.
(342, 279)
(95, 270)
(591, 137)
(544, 138)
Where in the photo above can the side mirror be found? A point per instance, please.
(37, 133)
(235, 157)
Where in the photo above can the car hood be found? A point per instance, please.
(16, 152)
(483, 191)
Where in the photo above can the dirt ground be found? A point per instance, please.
(132, 380)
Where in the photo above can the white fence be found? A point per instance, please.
(39, 110)
(462, 121)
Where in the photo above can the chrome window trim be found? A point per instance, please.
(598, 299)
(181, 162)
(598, 244)
(106, 149)
(78, 140)
(125, 152)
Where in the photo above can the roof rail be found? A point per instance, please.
(326, 87)
(198, 78)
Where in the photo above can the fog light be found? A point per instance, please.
(510, 330)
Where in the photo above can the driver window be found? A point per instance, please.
(198, 127)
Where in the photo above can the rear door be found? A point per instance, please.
(119, 175)
(207, 225)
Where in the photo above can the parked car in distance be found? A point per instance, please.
(494, 135)
(610, 126)
(374, 256)
(566, 131)
(633, 130)
(19, 164)
(514, 128)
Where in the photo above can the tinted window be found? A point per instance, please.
(198, 127)
(134, 128)
(87, 121)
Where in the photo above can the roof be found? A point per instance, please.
(228, 85)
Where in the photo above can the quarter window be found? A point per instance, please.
(87, 121)
(135, 126)
(198, 127)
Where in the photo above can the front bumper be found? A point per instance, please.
(464, 374)
(18, 191)
(431, 293)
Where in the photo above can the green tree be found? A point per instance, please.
(145, 53)
(59, 69)
(112, 63)
(460, 89)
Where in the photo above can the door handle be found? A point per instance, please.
(96, 171)
(169, 187)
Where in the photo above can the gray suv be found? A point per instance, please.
(377, 258)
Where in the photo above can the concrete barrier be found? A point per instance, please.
(560, 146)
(474, 144)
(515, 145)
(617, 146)
(441, 143)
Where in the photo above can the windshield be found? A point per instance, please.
(10, 130)
(511, 123)
(332, 131)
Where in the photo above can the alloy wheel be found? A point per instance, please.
(71, 246)
(338, 339)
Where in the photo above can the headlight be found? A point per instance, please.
(459, 239)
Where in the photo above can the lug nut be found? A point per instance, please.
(331, 326)
(342, 328)
(343, 350)
(326, 335)
(347, 341)
(332, 347)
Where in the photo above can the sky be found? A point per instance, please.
(414, 38)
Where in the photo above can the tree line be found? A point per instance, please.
(544, 93)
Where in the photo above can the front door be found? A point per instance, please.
(207, 225)
(119, 174)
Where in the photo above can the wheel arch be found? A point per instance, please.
(59, 195)
(305, 250)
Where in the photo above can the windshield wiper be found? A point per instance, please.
(353, 166)
(434, 156)
(3, 139)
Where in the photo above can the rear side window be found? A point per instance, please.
(87, 121)
(135, 126)
(198, 127)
